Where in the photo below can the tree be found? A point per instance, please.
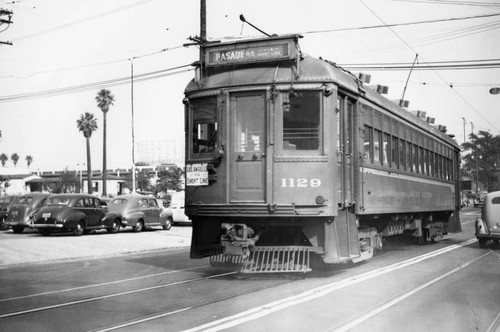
(87, 124)
(3, 159)
(68, 183)
(170, 179)
(15, 158)
(483, 158)
(104, 99)
(29, 160)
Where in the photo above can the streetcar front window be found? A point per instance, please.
(301, 121)
(204, 125)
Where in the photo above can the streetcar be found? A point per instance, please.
(290, 157)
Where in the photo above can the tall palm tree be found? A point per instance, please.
(15, 158)
(104, 99)
(87, 124)
(29, 160)
(3, 159)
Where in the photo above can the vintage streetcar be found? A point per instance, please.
(289, 156)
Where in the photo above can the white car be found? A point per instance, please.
(177, 208)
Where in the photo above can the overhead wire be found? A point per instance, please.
(101, 84)
(436, 73)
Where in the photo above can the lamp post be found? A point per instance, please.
(81, 179)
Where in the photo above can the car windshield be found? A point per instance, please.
(118, 201)
(57, 201)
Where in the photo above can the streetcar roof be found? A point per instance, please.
(310, 70)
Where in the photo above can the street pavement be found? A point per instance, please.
(31, 247)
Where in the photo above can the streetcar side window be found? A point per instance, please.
(204, 125)
(368, 143)
(301, 121)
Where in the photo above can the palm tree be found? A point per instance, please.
(87, 124)
(29, 160)
(15, 158)
(3, 159)
(104, 99)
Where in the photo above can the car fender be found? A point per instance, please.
(134, 216)
(110, 217)
(481, 227)
(72, 218)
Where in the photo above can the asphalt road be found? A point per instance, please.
(452, 285)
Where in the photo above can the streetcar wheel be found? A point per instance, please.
(79, 229)
(115, 227)
(168, 224)
(138, 226)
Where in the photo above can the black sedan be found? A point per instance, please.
(76, 213)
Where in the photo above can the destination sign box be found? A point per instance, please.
(242, 53)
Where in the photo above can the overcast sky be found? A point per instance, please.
(64, 52)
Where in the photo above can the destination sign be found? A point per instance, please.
(197, 175)
(248, 53)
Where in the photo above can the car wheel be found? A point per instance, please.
(79, 229)
(18, 229)
(115, 227)
(45, 232)
(3, 226)
(138, 226)
(168, 224)
(482, 243)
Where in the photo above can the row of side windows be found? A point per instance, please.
(384, 149)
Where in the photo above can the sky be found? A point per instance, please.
(63, 52)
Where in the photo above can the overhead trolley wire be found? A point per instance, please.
(451, 86)
(96, 85)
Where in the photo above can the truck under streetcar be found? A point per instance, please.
(289, 156)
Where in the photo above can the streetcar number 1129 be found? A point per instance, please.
(300, 183)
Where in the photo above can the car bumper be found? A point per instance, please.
(55, 226)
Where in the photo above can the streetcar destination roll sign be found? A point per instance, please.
(241, 53)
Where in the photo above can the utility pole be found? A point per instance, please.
(8, 13)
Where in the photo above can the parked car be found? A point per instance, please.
(177, 208)
(23, 210)
(139, 211)
(77, 213)
(5, 202)
(488, 225)
(479, 202)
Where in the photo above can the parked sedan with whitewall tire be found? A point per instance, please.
(139, 212)
(76, 213)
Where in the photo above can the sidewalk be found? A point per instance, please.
(31, 247)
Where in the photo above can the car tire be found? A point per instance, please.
(138, 226)
(45, 232)
(482, 243)
(115, 227)
(18, 229)
(3, 225)
(79, 229)
(168, 224)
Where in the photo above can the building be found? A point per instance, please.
(161, 152)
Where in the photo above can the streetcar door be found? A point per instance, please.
(247, 147)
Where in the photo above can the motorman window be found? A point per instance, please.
(301, 121)
(204, 125)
